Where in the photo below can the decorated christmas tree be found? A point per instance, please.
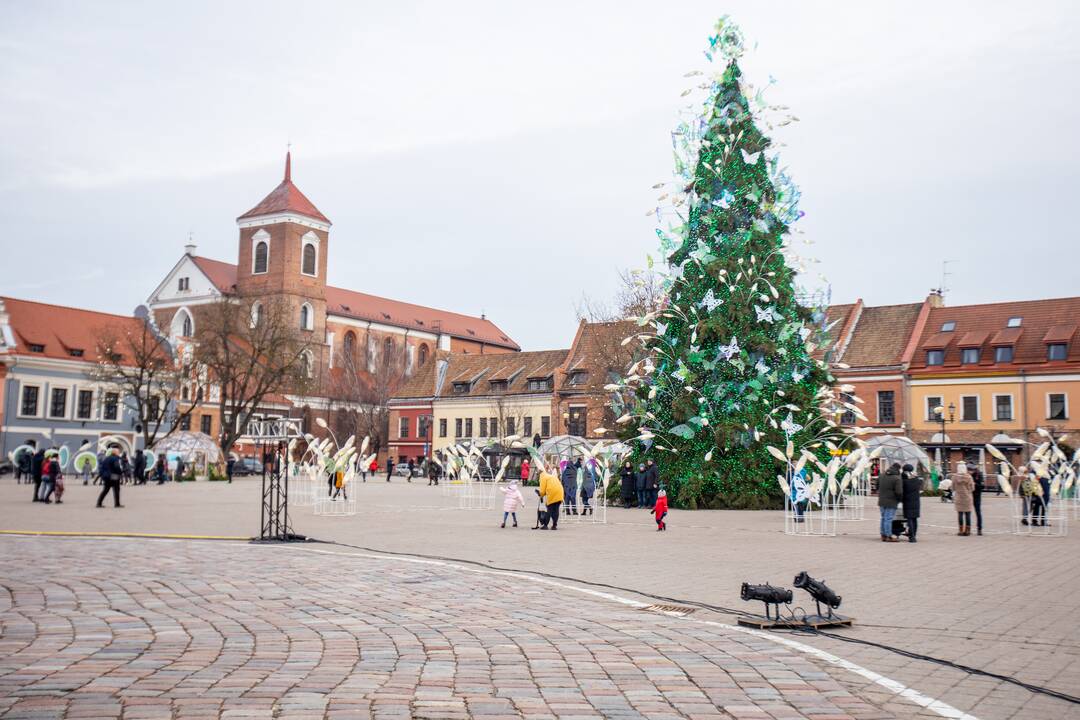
(728, 364)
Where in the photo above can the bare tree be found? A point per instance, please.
(141, 366)
(250, 350)
(639, 293)
(506, 409)
(360, 388)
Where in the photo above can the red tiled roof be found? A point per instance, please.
(362, 306)
(482, 368)
(286, 197)
(598, 351)
(1060, 333)
(973, 338)
(62, 330)
(939, 340)
(1040, 320)
(880, 336)
(222, 274)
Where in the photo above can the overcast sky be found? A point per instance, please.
(499, 157)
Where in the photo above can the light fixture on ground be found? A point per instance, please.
(768, 594)
(821, 593)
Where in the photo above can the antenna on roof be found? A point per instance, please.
(482, 315)
(945, 274)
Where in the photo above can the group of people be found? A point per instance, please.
(641, 487)
(900, 485)
(43, 469)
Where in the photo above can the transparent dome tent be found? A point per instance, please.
(898, 449)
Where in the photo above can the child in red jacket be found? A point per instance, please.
(660, 511)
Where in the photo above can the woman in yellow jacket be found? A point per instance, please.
(552, 491)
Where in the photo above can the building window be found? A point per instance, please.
(422, 426)
(423, 354)
(37, 348)
(969, 408)
(575, 424)
(1003, 354)
(1003, 407)
(403, 427)
(112, 406)
(185, 423)
(256, 314)
(526, 426)
(970, 356)
(307, 364)
(932, 403)
(886, 407)
(308, 264)
(1057, 407)
(545, 426)
(539, 384)
(579, 377)
(483, 427)
(510, 426)
(350, 345)
(58, 403)
(153, 409)
(948, 326)
(76, 352)
(498, 386)
(493, 427)
(307, 317)
(847, 417)
(1056, 351)
(460, 388)
(457, 427)
(85, 405)
(1015, 322)
(262, 256)
(935, 357)
(204, 424)
(29, 404)
(183, 284)
(442, 427)
(468, 427)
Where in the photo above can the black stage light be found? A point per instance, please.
(818, 590)
(768, 594)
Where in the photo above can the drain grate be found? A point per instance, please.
(679, 610)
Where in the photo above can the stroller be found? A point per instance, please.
(945, 486)
(541, 512)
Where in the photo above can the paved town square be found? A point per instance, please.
(361, 626)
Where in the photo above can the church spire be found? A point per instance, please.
(288, 166)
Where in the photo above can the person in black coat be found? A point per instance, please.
(626, 475)
(652, 483)
(569, 486)
(912, 493)
(35, 471)
(976, 495)
(112, 472)
(140, 467)
(641, 479)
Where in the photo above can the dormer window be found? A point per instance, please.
(461, 388)
(935, 357)
(1056, 351)
(498, 386)
(1003, 354)
(970, 356)
(75, 352)
(579, 377)
(1015, 322)
(948, 326)
(36, 347)
(539, 384)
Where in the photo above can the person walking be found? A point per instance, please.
(512, 502)
(35, 469)
(890, 490)
(140, 467)
(1031, 491)
(912, 484)
(412, 469)
(125, 465)
(626, 479)
(112, 472)
(963, 497)
(652, 482)
(159, 470)
(569, 485)
(230, 465)
(433, 473)
(976, 497)
(389, 467)
(551, 489)
(588, 486)
(660, 511)
(178, 476)
(524, 475)
(640, 480)
(22, 464)
(50, 468)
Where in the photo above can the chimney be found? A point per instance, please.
(936, 298)
(189, 249)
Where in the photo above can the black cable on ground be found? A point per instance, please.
(795, 627)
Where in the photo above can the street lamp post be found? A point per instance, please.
(952, 418)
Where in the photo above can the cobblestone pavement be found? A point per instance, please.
(190, 629)
(1002, 603)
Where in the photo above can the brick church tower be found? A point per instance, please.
(284, 242)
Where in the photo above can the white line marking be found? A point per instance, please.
(934, 705)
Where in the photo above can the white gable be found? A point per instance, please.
(197, 289)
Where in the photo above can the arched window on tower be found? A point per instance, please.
(307, 364)
(307, 319)
(188, 329)
(256, 314)
(308, 263)
(262, 252)
(422, 354)
(182, 325)
(388, 350)
(350, 347)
